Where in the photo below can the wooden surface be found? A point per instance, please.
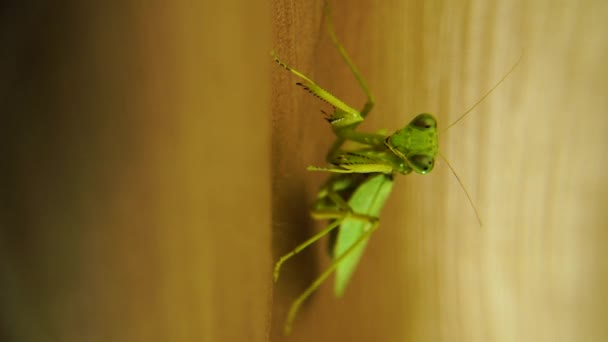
(154, 169)
(135, 177)
(532, 157)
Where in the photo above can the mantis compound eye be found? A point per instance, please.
(424, 121)
(421, 163)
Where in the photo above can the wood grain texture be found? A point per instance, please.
(135, 182)
(532, 156)
(144, 160)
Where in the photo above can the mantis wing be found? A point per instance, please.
(368, 199)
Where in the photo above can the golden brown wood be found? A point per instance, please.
(126, 216)
(135, 173)
(532, 156)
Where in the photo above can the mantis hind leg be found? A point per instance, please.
(299, 248)
(343, 210)
(338, 213)
(297, 303)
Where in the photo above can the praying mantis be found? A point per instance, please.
(361, 178)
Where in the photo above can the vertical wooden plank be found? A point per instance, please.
(531, 155)
(136, 182)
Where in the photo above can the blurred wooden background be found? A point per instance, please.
(153, 171)
(136, 172)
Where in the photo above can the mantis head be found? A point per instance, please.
(416, 143)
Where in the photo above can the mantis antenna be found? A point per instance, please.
(463, 187)
(485, 95)
(462, 117)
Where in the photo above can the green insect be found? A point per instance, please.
(354, 195)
